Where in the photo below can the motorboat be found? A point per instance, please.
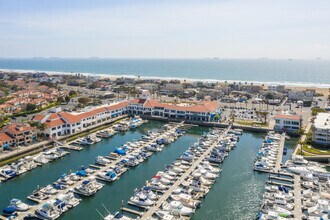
(7, 173)
(298, 159)
(108, 176)
(88, 187)
(47, 211)
(176, 208)
(69, 199)
(117, 215)
(186, 200)
(141, 200)
(48, 190)
(65, 180)
(19, 205)
(86, 141)
(41, 159)
(102, 160)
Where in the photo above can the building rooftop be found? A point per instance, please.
(287, 116)
(322, 121)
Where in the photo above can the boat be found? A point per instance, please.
(102, 160)
(86, 141)
(141, 200)
(88, 187)
(48, 190)
(176, 208)
(7, 173)
(69, 199)
(117, 215)
(298, 159)
(108, 176)
(41, 159)
(19, 205)
(47, 211)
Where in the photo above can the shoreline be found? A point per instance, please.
(113, 76)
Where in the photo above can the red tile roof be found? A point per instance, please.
(18, 128)
(5, 137)
(290, 117)
(54, 123)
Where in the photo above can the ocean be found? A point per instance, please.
(294, 72)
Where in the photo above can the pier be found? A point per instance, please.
(280, 153)
(184, 176)
(297, 198)
(100, 169)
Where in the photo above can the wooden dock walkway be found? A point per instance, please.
(280, 153)
(281, 178)
(177, 183)
(297, 198)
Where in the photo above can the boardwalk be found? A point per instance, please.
(164, 197)
(102, 169)
(280, 154)
(297, 198)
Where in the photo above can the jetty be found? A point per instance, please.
(297, 198)
(184, 176)
(100, 169)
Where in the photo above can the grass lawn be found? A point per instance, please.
(251, 123)
(313, 150)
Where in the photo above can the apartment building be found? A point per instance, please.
(321, 129)
(287, 123)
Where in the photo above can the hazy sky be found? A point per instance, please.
(165, 29)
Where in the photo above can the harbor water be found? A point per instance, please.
(236, 194)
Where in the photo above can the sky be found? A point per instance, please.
(297, 29)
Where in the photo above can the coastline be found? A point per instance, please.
(321, 88)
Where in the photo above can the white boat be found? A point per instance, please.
(47, 211)
(141, 200)
(88, 187)
(108, 176)
(69, 199)
(19, 205)
(7, 173)
(117, 215)
(176, 208)
(86, 141)
(101, 160)
(298, 159)
(186, 200)
(41, 159)
(48, 190)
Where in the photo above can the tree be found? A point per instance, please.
(67, 98)
(60, 99)
(30, 107)
(84, 100)
(72, 93)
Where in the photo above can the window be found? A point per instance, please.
(278, 121)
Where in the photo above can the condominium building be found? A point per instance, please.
(321, 129)
(21, 134)
(287, 123)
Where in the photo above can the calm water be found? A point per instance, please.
(236, 194)
(257, 70)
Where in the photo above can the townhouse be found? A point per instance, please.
(20, 134)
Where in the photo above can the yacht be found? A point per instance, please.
(88, 187)
(47, 211)
(108, 176)
(117, 215)
(298, 159)
(48, 190)
(141, 200)
(69, 199)
(176, 208)
(7, 173)
(102, 160)
(41, 159)
(19, 205)
(86, 141)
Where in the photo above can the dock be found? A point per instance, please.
(281, 178)
(279, 184)
(131, 211)
(297, 198)
(184, 176)
(100, 169)
(280, 153)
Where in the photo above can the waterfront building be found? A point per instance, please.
(321, 129)
(22, 134)
(287, 122)
(65, 123)
(204, 111)
(5, 140)
(301, 95)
